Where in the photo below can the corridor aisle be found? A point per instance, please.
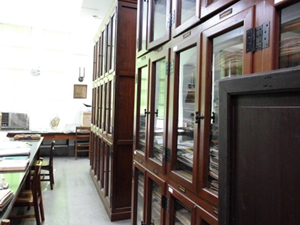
(74, 199)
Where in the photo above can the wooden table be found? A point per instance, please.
(17, 180)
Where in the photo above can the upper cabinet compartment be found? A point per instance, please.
(154, 22)
(159, 22)
(186, 13)
(289, 52)
(142, 13)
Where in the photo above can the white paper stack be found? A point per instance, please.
(5, 197)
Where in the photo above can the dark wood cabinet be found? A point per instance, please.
(112, 109)
(210, 41)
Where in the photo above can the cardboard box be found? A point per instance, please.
(86, 119)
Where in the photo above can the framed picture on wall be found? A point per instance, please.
(80, 91)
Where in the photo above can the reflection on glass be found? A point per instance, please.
(99, 109)
(143, 108)
(104, 47)
(227, 62)
(109, 171)
(159, 117)
(140, 198)
(111, 106)
(103, 107)
(188, 10)
(290, 37)
(159, 27)
(144, 7)
(113, 42)
(155, 204)
(183, 215)
(186, 108)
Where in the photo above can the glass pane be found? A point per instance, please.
(109, 170)
(227, 62)
(143, 35)
(143, 108)
(113, 40)
(182, 214)
(140, 198)
(103, 87)
(160, 103)
(108, 50)
(290, 37)
(104, 45)
(107, 107)
(99, 105)
(155, 203)
(111, 106)
(159, 23)
(186, 109)
(188, 10)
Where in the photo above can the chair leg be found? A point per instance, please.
(42, 209)
(51, 178)
(37, 214)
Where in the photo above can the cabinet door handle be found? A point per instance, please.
(156, 113)
(198, 117)
(146, 113)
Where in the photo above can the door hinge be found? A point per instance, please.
(258, 38)
(169, 20)
(169, 67)
(167, 154)
(165, 202)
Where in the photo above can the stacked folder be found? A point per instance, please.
(5, 197)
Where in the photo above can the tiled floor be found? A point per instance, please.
(74, 199)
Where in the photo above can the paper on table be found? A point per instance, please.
(13, 165)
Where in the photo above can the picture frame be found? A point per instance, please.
(80, 91)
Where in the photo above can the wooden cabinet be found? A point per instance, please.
(112, 109)
(218, 40)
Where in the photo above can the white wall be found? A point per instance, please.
(58, 55)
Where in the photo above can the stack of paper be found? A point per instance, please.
(13, 164)
(5, 197)
(11, 148)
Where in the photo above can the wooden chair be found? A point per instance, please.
(5, 222)
(82, 142)
(48, 165)
(32, 197)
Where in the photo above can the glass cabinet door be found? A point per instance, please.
(100, 53)
(185, 111)
(289, 52)
(155, 191)
(159, 26)
(227, 62)
(143, 110)
(100, 107)
(104, 51)
(139, 197)
(223, 48)
(159, 88)
(181, 209)
(186, 14)
(142, 15)
(113, 43)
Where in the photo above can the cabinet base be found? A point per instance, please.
(119, 214)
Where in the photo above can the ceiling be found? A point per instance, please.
(78, 16)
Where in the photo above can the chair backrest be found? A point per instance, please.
(36, 182)
(51, 153)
